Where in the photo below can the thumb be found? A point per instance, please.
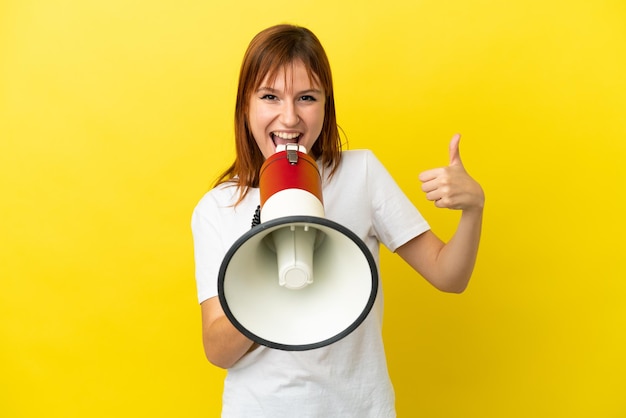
(455, 155)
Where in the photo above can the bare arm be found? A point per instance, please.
(449, 266)
(224, 345)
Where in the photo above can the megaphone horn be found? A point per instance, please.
(296, 281)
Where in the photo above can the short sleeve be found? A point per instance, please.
(395, 218)
(208, 247)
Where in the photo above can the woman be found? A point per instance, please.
(285, 95)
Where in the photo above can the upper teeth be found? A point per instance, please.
(286, 135)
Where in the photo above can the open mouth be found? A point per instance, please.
(282, 138)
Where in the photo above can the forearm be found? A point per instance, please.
(456, 260)
(448, 267)
(224, 345)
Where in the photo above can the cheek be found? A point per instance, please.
(255, 123)
(320, 122)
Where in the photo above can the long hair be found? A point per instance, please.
(270, 51)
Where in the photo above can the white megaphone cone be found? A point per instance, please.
(296, 281)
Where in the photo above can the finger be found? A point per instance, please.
(429, 175)
(429, 186)
(442, 204)
(434, 195)
(455, 154)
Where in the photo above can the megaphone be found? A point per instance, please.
(296, 281)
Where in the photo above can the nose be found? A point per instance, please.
(289, 114)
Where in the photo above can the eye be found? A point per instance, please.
(308, 99)
(269, 97)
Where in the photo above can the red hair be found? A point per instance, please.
(270, 51)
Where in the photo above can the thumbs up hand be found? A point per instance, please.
(452, 187)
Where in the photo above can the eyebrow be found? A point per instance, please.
(272, 90)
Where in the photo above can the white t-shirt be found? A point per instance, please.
(348, 378)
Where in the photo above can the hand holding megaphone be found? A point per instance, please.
(452, 187)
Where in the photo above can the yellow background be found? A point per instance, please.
(116, 115)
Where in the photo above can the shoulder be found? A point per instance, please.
(358, 158)
(224, 200)
(358, 168)
(224, 194)
(356, 155)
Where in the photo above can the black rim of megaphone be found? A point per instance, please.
(292, 220)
